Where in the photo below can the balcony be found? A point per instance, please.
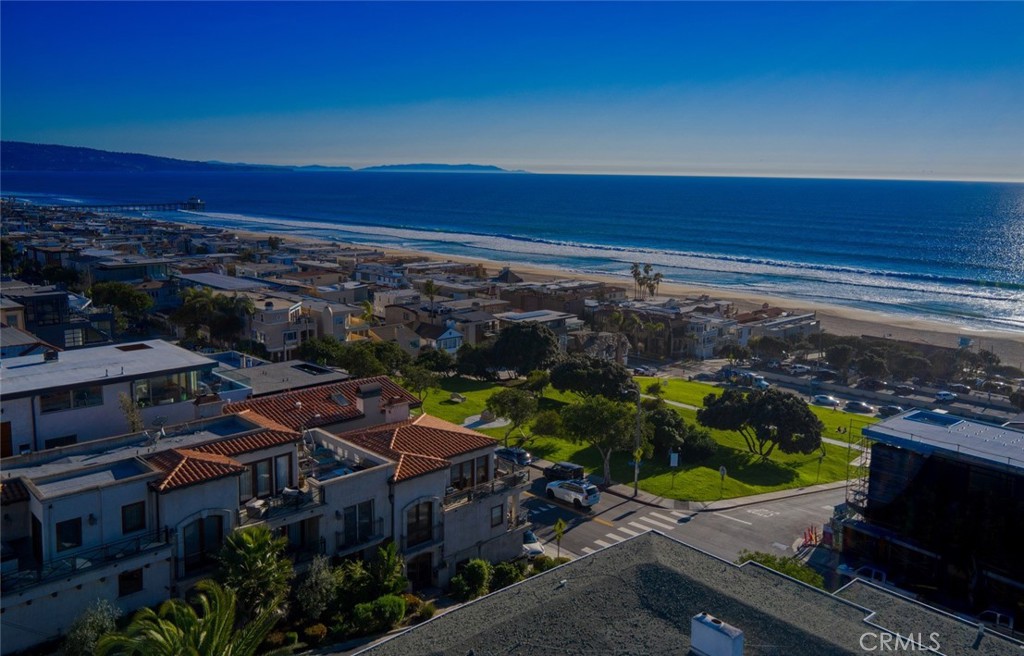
(349, 541)
(82, 561)
(498, 485)
(289, 502)
(418, 541)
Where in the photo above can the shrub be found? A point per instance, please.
(315, 634)
(785, 565)
(291, 638)
(319, 590)
(412, 604)
(275, 639)
(388, 611)
(458, 588)
(427, 611)
(477, 574)
(98, 619)
(544, 563)
(505, 574)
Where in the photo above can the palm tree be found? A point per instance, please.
(176, 629)
(368, 316)
(633, 323)
(645, 281)
(385, 572)
(198, 304)
(252, 563)
(634, 269)
(430, 289)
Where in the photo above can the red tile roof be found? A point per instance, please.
(317, 406)
(262, 440)
(184, 467)
(421, 445)
(12, 491)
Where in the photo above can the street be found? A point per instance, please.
(774, 526)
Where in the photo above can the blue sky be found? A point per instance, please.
(910, 90)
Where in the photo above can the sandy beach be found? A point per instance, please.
(838, 320)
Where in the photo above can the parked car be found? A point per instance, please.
(564, 471)
(859, 406)
(959, 388)
(871, 384)
(799, 369)
(532, 547)
(904, 390)
(579, 493)
(946, 397)
(889, 411)
(515, 454)
(826, 374)
(825, 399)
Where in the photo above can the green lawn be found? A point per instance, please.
(746, 474)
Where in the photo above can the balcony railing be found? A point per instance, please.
(281, 505)
(496, 486)
(423, 540)
(349, 540)
(85, 560)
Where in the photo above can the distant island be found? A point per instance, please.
(23, 156)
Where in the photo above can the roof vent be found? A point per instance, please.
(298, 405)
(269, 305)
(710, 636)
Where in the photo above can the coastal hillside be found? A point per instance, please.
(440, 168)
(22, 156)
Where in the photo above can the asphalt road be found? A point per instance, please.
(775, 526)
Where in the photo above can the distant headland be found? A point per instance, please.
(23, 156)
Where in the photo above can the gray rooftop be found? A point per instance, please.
(31, 374)
(638, 596)
(928, 432)
(220, 281)
(283, 376)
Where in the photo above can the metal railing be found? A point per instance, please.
(346, 541)
(87, 559)
(423, 540)
(280, 505)
(495, 486)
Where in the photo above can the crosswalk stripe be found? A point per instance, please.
(615, 537)
(643, 529)
(587, 550)
(602, 543)
(678, 514)
(628, 532)
(548, 506)
(662, 517)
(667, 527)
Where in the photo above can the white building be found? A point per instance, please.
(74, 396)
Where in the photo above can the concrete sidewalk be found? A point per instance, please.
(626, 492)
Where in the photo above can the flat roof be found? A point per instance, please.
(284, 376)
(220, 281)
(106, 364)
(639, 596)
(925, 431)
(535, 315)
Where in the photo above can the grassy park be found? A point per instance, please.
(746, 474)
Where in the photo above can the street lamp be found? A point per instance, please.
(636, 447)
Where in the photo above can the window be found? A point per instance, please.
(69, 534)
(420, 520)
(482, 465)
(497, 515)
(55, 442)
(73, 337)
(129, 582)
(54, 402)
(462, 475)
(203, 539)
(245, 485)
(161, 390)
(358, 524)
(87, 397)
(282, 472)
(261, 476)
(133, 517)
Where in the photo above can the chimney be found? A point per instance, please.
(368, 400)
(710, 636)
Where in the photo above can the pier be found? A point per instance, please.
(192, 204)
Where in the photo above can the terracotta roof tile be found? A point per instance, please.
(317, 405)
(246, 443)
(12, 491)
(186, 467)
(421, 445)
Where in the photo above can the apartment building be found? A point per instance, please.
(280, 325)
(60, 398)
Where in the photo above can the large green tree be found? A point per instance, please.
(766, 420)
(419, 380)
(516, 405)
(590, 376)
(604, 424)
(437, 360)
(523, 347)
(176, 629)
(770, 347)
(253, 565)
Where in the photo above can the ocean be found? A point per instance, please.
(942, 251)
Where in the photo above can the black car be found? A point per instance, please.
(959, 388)
(870, 384)
(564, 471)
(889, 411)
(515, 454)
(904, 390)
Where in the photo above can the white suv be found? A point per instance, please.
(579, 493)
